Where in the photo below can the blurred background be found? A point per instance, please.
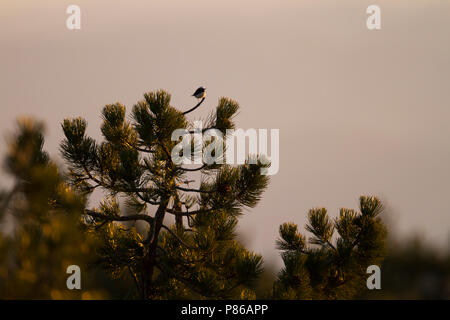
(359, 111)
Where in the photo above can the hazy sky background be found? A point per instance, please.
(359, 111)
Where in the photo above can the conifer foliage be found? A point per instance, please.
(197, 255)
(331, 268)
(42, 232)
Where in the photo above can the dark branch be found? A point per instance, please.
(202, 131)
(164, 148)
(194, 190)
(192, 109)
(132, 217)
(146, 201)
(143, 150)
(177, 237)
(186, 213)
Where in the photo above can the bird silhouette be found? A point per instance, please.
(200, 93)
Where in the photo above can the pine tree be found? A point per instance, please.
(331, 268)
(42, 230)
(195, 257)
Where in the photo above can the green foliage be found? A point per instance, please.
(331, 268)
(225, 111)
(154, 232)
(212, 266)
(44, 215)
(197, 256)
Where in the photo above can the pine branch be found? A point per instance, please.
(195, 107)
(194, 190)
(187, 213)
(177, 237)
(133, 217)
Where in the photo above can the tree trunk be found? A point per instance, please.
(149, 265)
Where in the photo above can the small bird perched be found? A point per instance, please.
(200, 93)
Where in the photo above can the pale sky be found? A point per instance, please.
(359, 111)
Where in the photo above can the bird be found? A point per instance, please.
(200, 93)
